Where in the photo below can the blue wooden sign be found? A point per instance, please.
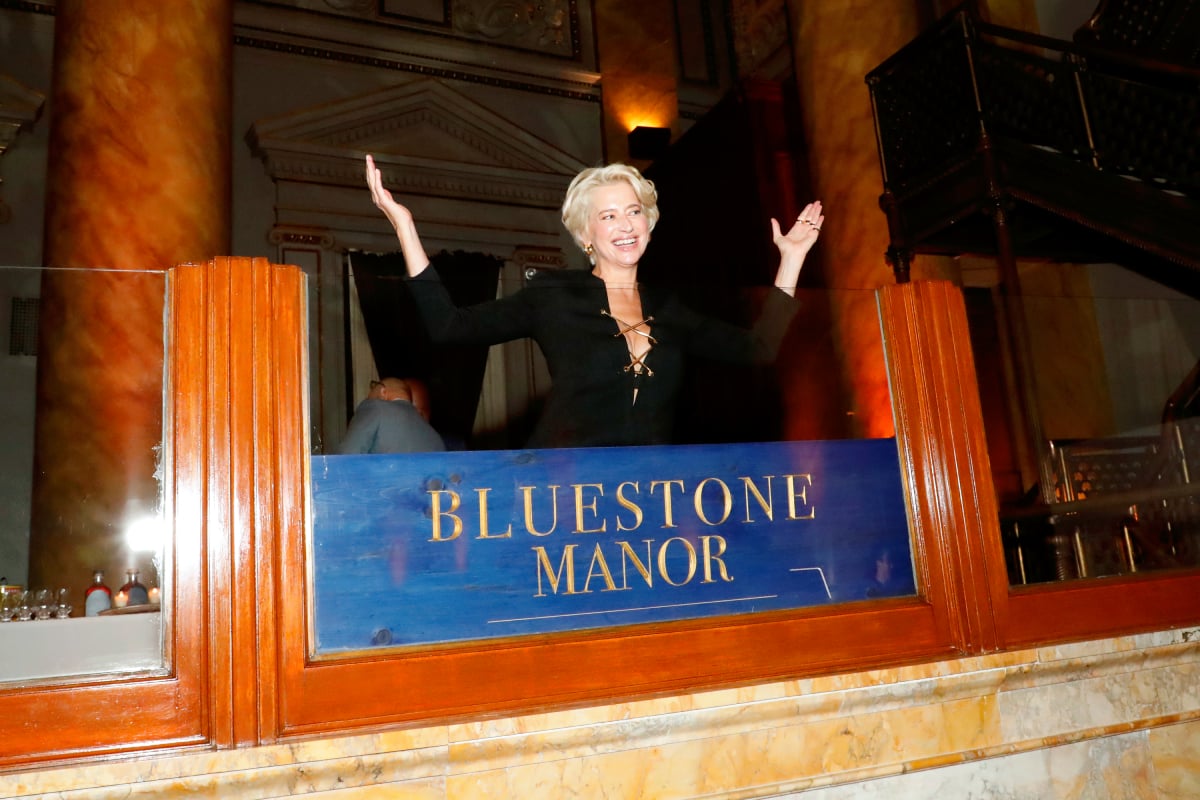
(448, 547)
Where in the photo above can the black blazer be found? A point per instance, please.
(591, 399)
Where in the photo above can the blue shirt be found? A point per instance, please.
(389, 426)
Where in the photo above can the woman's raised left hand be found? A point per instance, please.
(803, 233)
(795, 244)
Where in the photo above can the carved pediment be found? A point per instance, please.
(427, 139)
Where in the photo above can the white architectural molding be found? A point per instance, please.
(477, 180)
(427, 138)
(315, 238)
(531, 259)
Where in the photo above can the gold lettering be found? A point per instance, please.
(709, 557)
(642, 568)
(767, 505)
(438, 514)
(580, 507)
(728, 498)
(565, 565)
(598, 561)
(483, 519)
(803, 495)
(668, 514)
(662, 560)
(630, 505)
(527, 492)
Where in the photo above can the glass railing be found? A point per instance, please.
(491, 398)
(1098, 472)
(83, 539)
(777, 485)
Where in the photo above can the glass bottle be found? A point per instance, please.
(134, 590)
(98, 597)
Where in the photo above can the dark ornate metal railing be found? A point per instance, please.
(997, 142)
(942, 96)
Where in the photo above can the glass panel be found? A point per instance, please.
(1099, 477)
(82, 536)
(754, 503)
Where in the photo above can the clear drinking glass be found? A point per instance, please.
(62, 608)
(25, 605)
(43, 604)
(8, 606)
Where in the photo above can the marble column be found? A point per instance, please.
(836, 44)
(138, 181)
(1019, 14)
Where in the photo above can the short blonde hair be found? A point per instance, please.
(577, 204)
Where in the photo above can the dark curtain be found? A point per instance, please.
(454, 373)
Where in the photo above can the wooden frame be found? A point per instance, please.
(239, 632)
(161, 710)
(961, 570)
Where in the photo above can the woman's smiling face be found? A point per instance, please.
(617, 227)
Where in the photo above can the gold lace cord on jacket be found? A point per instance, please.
(637, 364)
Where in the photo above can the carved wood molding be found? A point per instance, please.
(943, 456)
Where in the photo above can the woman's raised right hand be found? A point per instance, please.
(397, 214)
(401, 218)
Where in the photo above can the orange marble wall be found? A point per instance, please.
(1109, 718)
(139, 146)
(98, 425)
(639, 67)
(1074, 400)
(836, 44)
(138, 179)
(1019, 14)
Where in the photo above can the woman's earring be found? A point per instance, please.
(588, 249)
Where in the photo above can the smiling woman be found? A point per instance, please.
(616, 348)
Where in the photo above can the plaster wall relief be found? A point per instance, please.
(475, 180)
(761, 39)
(705, 72)
(544, 26)
(558, 28)
(360, 7)
(20, 107)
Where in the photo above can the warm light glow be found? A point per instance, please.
(639, 119)
(642, 122)
(144, 534)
